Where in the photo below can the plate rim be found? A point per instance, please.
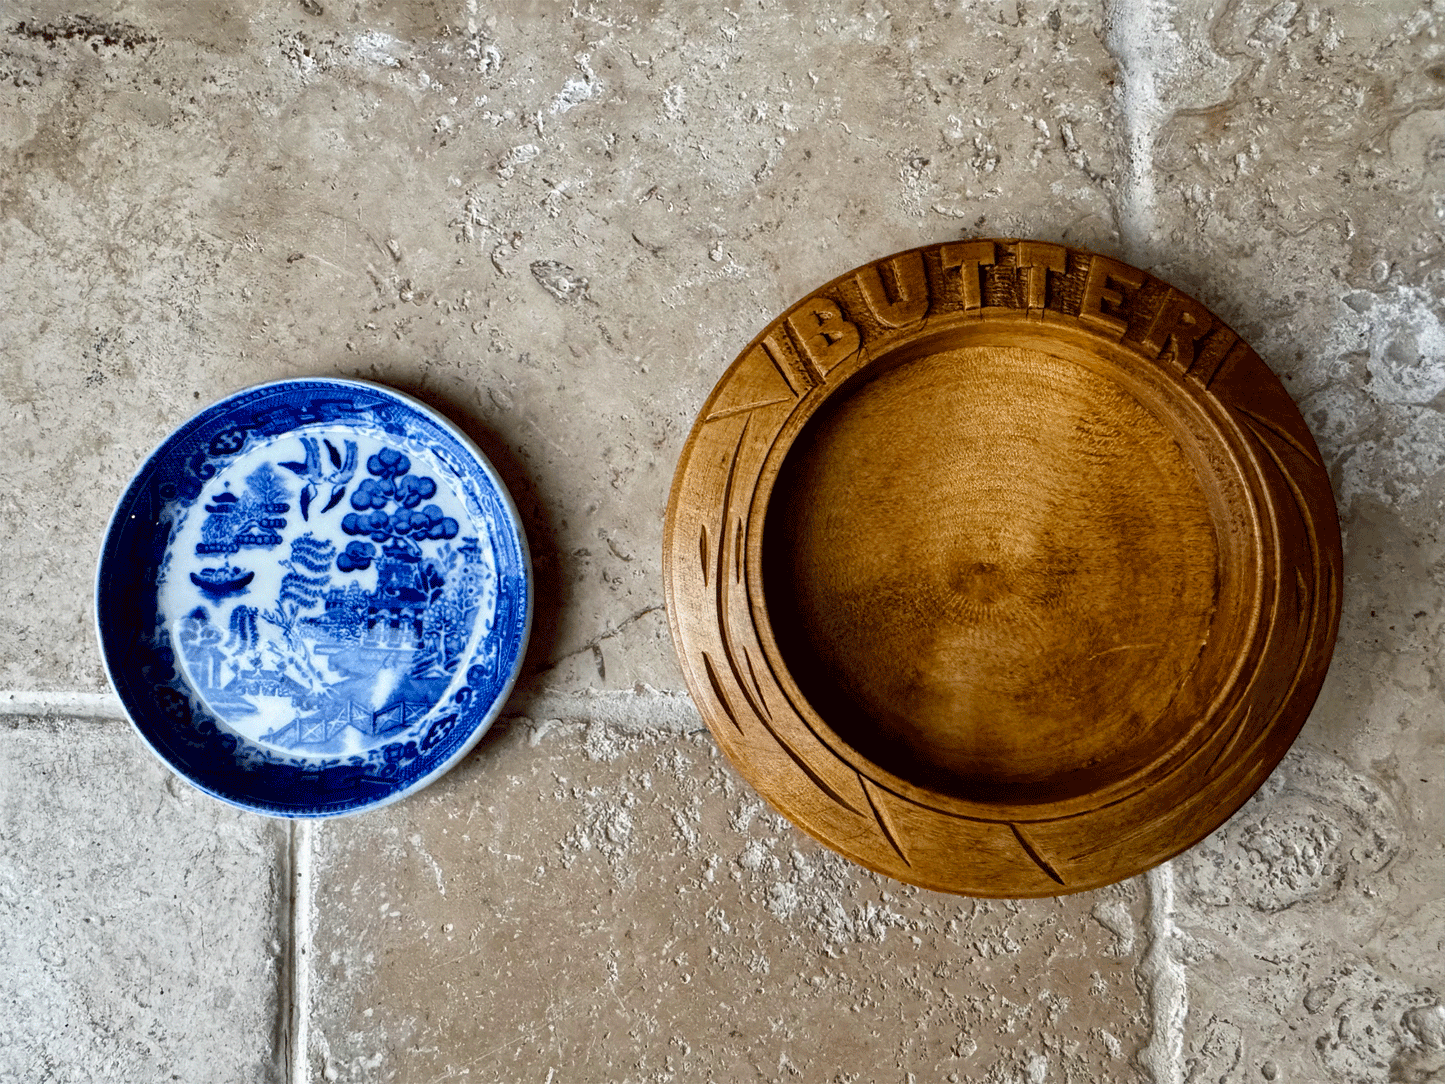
(527, 594)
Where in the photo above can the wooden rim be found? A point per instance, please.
(1271, 626)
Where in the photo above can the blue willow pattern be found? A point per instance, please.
(358, 646)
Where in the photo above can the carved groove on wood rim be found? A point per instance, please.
(718, 691)
(757, 688)
(1033, 852)
(1259, 422)
(889, 832)
(1230, 742)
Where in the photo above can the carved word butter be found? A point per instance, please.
(986, 277)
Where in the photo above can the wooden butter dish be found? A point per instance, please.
(1002, 568)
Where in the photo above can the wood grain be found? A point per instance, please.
(1003, 598)
(1002, 568)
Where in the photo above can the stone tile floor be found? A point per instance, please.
(557, 222)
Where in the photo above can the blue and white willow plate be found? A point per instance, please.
(314, 597)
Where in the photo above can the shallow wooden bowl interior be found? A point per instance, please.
(990, 568)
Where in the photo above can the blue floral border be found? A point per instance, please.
(142, 665)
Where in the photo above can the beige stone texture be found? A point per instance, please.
(1301, 149)
(558, 221)
(611, 903)
(144, 927)
(558, 226)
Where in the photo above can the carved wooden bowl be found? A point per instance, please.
(1002, 568)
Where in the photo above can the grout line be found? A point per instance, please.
(1163, 1055)
(285, 952)
(74, 704)
(642, 708)
(1136, 33)
(298, 1063)
(1140, 34)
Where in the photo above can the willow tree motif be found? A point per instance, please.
(244, 635)
(307, 577)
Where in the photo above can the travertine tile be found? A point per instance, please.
(1314, 922)
(1299, 153)
(557, 225)
(596, 903)
(1313, 929)
(142, 925)
(1300, 192)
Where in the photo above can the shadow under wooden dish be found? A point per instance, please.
(1002, 568)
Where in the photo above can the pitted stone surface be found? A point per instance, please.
(142, 924)
(1311, 924)
(613, 903)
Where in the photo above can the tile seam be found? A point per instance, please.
(297, 992)
(665, 709)
(72, 703)
(1168, 991)
(1134, 31)
(1137, 33)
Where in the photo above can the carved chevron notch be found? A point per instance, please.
(1117, 842)
(890, 833)
(1033, 852)
(758, 384)
(1237, 350)
(728, 412)
(717, 691)
(1258, 423)
(1300, 500)
(817, 780)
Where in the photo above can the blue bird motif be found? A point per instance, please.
(317, 475)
